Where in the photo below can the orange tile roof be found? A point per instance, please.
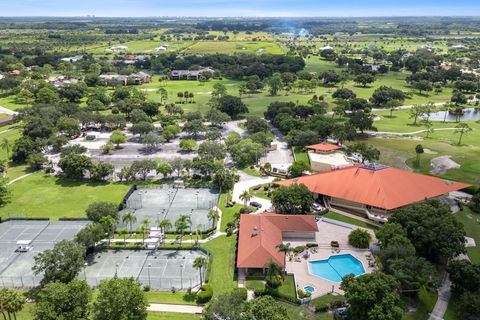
(255, 250)
(324, 147)
(382, 187)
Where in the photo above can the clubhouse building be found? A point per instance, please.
(373, 190)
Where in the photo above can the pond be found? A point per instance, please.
(468, 114)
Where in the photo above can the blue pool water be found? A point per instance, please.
(309, 289)
(336, 267)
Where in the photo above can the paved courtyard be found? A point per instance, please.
(328, 232)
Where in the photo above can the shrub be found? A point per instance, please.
(298, 249)
(205, 294)
(243, 291)
(302, 294)
(146, 288)
(245, 210)
(359, 238)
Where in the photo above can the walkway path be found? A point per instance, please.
(178, 308)
(7, 111)
(444, 293)
(21, 177)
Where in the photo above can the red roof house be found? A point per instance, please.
(260, 234)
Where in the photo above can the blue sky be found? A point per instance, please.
(253, 8)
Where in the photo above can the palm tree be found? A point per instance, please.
(182, 224)
(272, 271)
(245, 196)
(200, 263)
(129, 218)
(418, 150)
(5, 145)
(123, 232)
(213, 216)
(285, 248)
(108, 223)
(11, 302)
(198, 229)
(164, 225)
(145, 227)
(462, 128)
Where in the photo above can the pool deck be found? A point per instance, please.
(327, 232)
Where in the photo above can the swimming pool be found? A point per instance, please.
(336, 267)
(310, 289)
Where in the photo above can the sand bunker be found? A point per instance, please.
(441, 165)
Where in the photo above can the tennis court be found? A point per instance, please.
(166, 202)
(16, 267)
(160, 269)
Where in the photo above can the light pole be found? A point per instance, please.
(197, 199)
(181, 276)
(116, 269)
(85, 270)
(149, 266)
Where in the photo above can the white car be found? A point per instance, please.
(316, 207)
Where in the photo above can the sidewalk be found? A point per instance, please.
(178, 308)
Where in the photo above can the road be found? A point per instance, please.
(282, 155)
(245, 183)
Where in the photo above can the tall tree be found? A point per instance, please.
(64, 301)
(62, 263)
(120, 299)
(372, 296)
(462, 128)
(200, 263)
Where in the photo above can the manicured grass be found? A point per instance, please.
(301, 155)
(27, 312)
(286, 289)
(259, 193)
(168, 297)
(426, 302)
(339, 217)
(228, 213)
(252, 172)
(172, 316)
(40, 195)
(302, 312)
(451, 313)
(469, 220)
(221, 274)
(231, 47)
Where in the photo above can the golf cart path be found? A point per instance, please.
(177, 308)
(406, 133)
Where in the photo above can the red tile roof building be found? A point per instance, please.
(374, 188)
(260, 234)
(324, 147)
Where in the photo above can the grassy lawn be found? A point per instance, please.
(27, 312)
(339, 217)
(301, 155)
(259, 193)
(40, 195)
(472, 227)
(252, 172)
(168, 297)
(221, 274)
(427, 300)
(302, 312)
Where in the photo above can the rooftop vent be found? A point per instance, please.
(373, 166)
(255, 231)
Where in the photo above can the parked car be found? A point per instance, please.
(257, 187)
(316, 207)
(255, 204)
(340, 314)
